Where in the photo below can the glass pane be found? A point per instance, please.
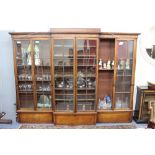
(23, 53)
(63, 68)
(124, 73)
(43, 73)
(123, 83)
(26, 100)
(24, 74)
(23, 60)
(44, 100)
(122, 100)
(86, 74)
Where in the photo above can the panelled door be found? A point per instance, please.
(124, 73)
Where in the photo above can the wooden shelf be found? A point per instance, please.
(64, 88)
(63, 46)
(63, 94)
(35, 111)
(43, 92)
(85, 88)
(124, 75)
(106, 69)
(25, 81)
(124, 70)
(26, 92)
(61, 76)
(43, 80)
(86, 56)
(42, 66)
(114, 110)
(122, 92)
(84, 46)
(64, 58)
(86, 94)
(86, 99)
(63, 65)
(86, 65)
(64, 99)
(21, 66)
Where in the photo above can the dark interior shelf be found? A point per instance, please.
(106, 69)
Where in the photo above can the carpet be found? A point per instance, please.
(51, 126)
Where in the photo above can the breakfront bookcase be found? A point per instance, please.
(59, 78)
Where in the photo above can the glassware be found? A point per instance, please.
(101, 104)
(67, 107)
(118, 103)
(83, 107)
(127, 64)
(105, 66)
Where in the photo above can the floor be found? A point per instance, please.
(16, 125)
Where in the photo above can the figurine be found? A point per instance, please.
(101, 104)
(105, 66)
(118, 67)
(100, 64)
(108, 64)
(112, 64)
(108, 101)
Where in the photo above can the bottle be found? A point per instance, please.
(126, 102)
(118, 103)
(83, 107)
(127, 64)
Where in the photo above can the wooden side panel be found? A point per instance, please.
(106, 49)
(114, 117)
(35, 117)
(105, 84)
(75, 119)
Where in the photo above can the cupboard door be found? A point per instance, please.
(23, 66)
(63, 55)
(86, 50)
(123, 78)
(42, 63)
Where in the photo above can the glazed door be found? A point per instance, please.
(64, 87)
(42, 74)
(86, 74)
(23, 69)
(124, 74)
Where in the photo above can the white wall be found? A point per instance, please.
(7, 81)
(110, 15)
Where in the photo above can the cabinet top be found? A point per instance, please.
(74, 31)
